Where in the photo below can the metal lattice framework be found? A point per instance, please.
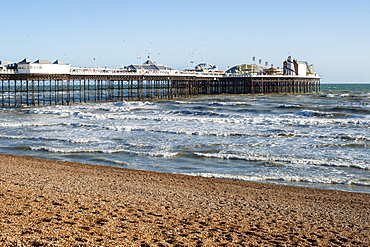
(44, 89)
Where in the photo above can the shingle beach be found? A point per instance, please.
(53, 203)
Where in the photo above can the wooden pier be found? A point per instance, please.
(63, 89)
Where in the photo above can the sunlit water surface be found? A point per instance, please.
(319, 140)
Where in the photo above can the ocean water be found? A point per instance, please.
(319, 140)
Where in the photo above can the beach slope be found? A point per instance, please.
(44, 202)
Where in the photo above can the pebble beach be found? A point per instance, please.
(54, 203)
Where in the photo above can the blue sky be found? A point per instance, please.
(333, 35)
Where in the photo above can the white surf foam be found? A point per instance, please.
(288, 178)
(339, 162)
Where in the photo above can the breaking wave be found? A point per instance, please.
(288, 160)
(163, 154)
(287, 178)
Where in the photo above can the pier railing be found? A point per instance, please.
(7, 71)
(101, 71)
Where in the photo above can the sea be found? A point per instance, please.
(317, 140)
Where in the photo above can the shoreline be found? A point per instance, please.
(64, 203)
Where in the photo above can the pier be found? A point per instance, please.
(30, 84)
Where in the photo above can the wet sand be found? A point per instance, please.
(55, 203)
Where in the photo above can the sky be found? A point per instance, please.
(334, 35)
